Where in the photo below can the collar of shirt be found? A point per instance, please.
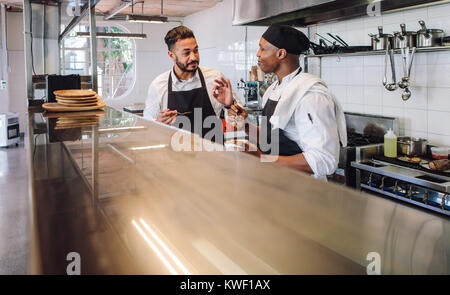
(179, 82)
(286, 80)
(277, 89)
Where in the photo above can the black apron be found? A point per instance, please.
(286, 146)
(187, 101)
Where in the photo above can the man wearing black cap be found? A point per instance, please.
(298, 107)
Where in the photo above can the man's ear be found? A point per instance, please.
(171, 55)
(281, 53)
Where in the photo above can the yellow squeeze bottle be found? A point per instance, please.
(390, 144)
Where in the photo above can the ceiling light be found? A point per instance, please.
(113, 35)
(146, 19)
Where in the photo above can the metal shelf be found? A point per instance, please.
(379, 52)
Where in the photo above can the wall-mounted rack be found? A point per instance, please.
(380, 52)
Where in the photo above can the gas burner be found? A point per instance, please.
(356, 139)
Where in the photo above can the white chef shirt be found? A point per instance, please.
(157, 97)
(317, 137)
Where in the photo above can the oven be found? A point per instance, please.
(390, 178)
(9, 129)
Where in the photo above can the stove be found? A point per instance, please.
(403, 181)
(365, 137)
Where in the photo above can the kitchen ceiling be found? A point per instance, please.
(174, 8)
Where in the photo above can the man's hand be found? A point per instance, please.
(222, 91)
(167, 117)
(252, 149)
(236, 117)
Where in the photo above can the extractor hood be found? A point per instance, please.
(308, 12)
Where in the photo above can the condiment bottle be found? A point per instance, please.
(390, 144)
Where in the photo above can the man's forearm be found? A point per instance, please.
(297, 162)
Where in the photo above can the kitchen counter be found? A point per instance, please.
(119, 195)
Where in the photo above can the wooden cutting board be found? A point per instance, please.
(68, 104)
(74, 93)
(75, 115)
(56, 107)
(83, 98)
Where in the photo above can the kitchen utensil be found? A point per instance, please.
(412, 160)
(184, 113)
(412, 146)
(407, 61)
(339, 41)
(56, 107)
(429, 37)
(440, 152)
(345, 43)
(404, 38)
(381, 41)
(74, 93)
(389, 54)
(332, 44)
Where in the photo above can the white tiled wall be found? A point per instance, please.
(357, 80)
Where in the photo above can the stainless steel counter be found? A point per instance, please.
(126, 201)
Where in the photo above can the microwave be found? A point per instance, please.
(9, 129)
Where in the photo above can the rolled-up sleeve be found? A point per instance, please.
(315, 120)
(152, 103)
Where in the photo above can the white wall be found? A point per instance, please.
(151, 59)
(223, 46)
(4, 93)
(356, 81)
(16, 80)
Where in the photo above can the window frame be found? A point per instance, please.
(87, 64)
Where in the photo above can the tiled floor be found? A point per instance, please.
(14, 217)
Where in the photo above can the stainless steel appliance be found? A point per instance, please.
(408, 182)
(303, 13)
(365, 138)
(251, 94)
(9, 129)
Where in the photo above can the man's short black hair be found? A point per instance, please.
(177, 33)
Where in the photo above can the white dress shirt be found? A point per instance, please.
(157, 97)
(316, 136)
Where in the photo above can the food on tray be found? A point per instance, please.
(440, 165)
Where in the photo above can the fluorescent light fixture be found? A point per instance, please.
(146, 19)
(113, 35)
(119, 9)
(154, 248)
(149, 147)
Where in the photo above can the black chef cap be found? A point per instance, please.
(286, 37)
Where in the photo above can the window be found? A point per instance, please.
(115, 60)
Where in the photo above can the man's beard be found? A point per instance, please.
(184, 67)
